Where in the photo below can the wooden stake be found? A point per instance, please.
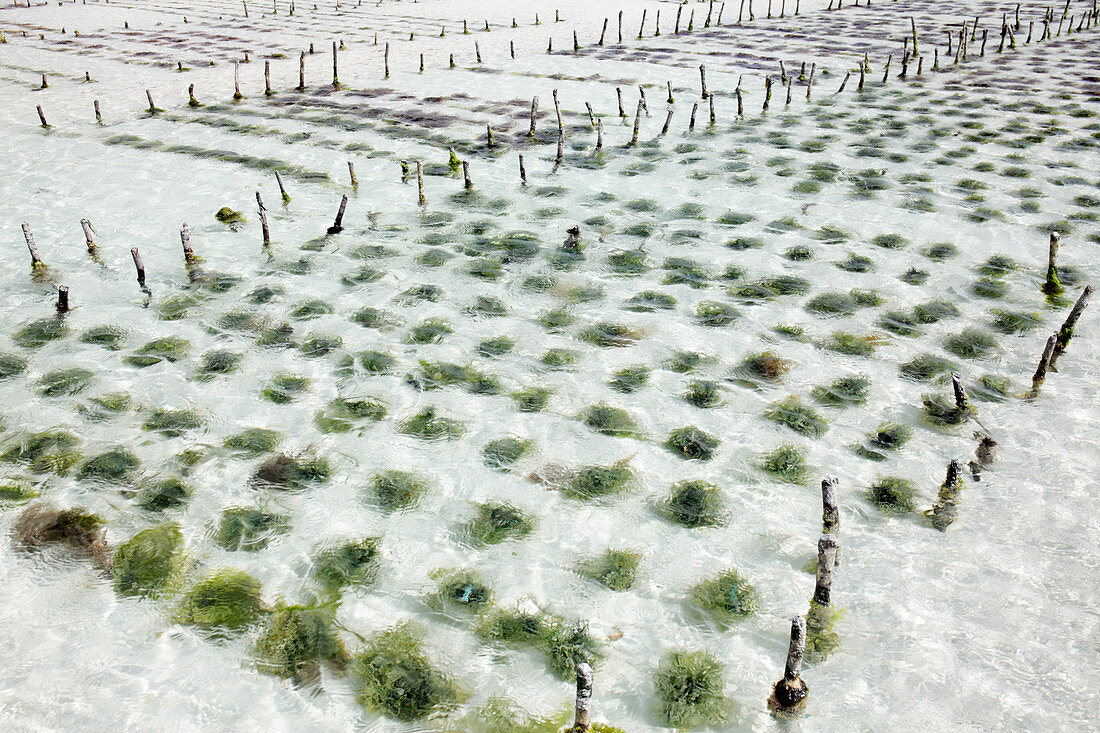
(467, 183)
(489, 141)
(1053, 285)
(1065, 333)
(691, 121)
(740, 104)
(668, 121)
(946, 509)
(138, 265)
(789, 693)
(619, 96)
(767, 92)
(42, 116)
(185, 240)
(913, 23)
(862, 74)
(670, 100)
(710, 101)
(603, 32)
(561, 145)
(962, 404)
(89, 242)
(351, 174)
(637, 126)
(98, 116)
(63, 299)
(335, 70)
(386, 61)
(582, 721)
(267, 79)
(522, 170)
(826, 560)
(338, 225)
(236, 83)
(844, 83)
(419, 184)
(591, 115)
(534, 114)
(263, 219)
(1041, 371)
(620, 27)
(302, 72)
(282, 191)
(703, 79)
(830, 514)
(36, 261)
(641, 28)
(557, 108)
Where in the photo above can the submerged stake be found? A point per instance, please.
(582, 721)
(36, 261)
(282, 191)
(263, 219)
(830, 514)
(185, 240)
(1065, 333)
(337, 226)
(826, 559)
(419, 184)
(88, 240)
(138, 265)
(63, 299)
(1044, 363)
(789, 693)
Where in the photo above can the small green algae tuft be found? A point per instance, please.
(615, 569)
(691, 443)
(694, 504)
(892, 493)
(728, 596)
(39, 333)
(594, 482)
(715, 314)
(786, 463)
(225, 600)
(396, 490)
(292, 473)
(891, 436)
(703, 393)
(427, 425)
(108, 336)
(172, 423)
(284, 388)
(503, 453)
(765, 366)
(797, 416)
(531, 399)
(461, 588)
(349, 563)
(843, 391)
(142, 564)
(227, 215)
(926, 367)
(970, 343)
(496, 522)
(608, 420)
(50, 451)
(690, 689)
(296, 640)
(62, 382)
(113, 465)
(253, 441)
(248, 528)
(630, 379)
(156, 495)
(610, 334)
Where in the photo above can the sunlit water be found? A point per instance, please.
(991, 625)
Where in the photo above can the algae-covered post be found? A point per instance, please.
(263, 219)
(946, 509)
(98, 116)
(619, 97)
(89, 242)
(603, 33)
(620, 27)
(338, 225)
(1065, 333)
(830, 515)
(335, 72)
(419, 184)
(557, 107)
(637, 126)
(63, 299)
(351, 175)
(467, 183)
(267, 79)
(599, 135)
(1053, 285)
(962, 404)
(36, 261)
(789, 694)
(691, 120)
(582, 720)
(386, 62)
(668, 121)
(1040, 375)
(703, 80)
(534, 115)
(826, 560)
(767, 93)
(282, 191)
(561, 145)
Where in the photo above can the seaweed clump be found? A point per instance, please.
(292, 473)
(892, 493)
(395, 490)
(694, 504)
(253, 441)
(787, 463)
(47, 451)
(630, 379)
(615, 569)
(143, 563)
(115, 465)
(608, 420)
(691, 443)
(503, 453)
(691, 690)
(531, 399)
(728, 596)
(764, 366)
(461, 588)
(296, 641)
(392, 675)
(843, 391)
(353, 562)
(593, 482)
(248, 529)
(496, 522)
(172, 423)
(797, 416)
(225, 600)
(41, 524)
(427, 425)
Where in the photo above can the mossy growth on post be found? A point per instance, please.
(821, 636)
(615, 569)
(727, 596)
(297, 640)
(396, 490)
(690, 690)
(392, 675)
(461, 588)
(694, 504)
(143, 564)
(691, 443)
(224, 601)
(349, 563)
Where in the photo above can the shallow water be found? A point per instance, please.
(991, 625)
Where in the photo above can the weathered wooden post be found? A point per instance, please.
(36, 261)
(826, 561)
(302, 72)
(98, 116)
(1065, 333)
(467, 182)
(138, 265)
(534, 114)
(522, 170)
(63, 299)
(185, 240)
(338, 224)
(1053, 285)
(263, 219)
(419, 184)
(1041, 371)
(335, 70)
(89, 241)
(789, 694)
(282, 191)
(946, 509)
(582, 720)
(236, 82)
(42, 116)
(830, 514)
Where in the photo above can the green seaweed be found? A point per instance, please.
(832, 304)
(352, 562)
(496, 346)
(649, 301)
(159, 494)
(169, 348)
(292, 473)
(503, 453)
(703, 393)
(925, 367)
(694, 504)
(460, 588)
(115, 465)
(787, 463)
(595, 482)
(310, 309)
(427, 425)
(62, 382)
(296, 640)
(608, 420)
(227, 215)
(430, 331)
(891, 435)
(39, 333)
(851, 344)
(108, 336)
(797, 416)
(396, 490)
(248, 529)
(970, 343)
(219, 362)
(172, 423)
(496, 522)
(224, 600)
(11, 365)
(253, 441)
(610, 334)
(765, 366)
(615, 569)
(630, 379)
(559, 358)
(715, 314)
(727, 596)
(52, 451)
(376, 362)
(892, 493)
(691, 443)
(690, 689)
(284, 388)
(531, 399)
(142, 564)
